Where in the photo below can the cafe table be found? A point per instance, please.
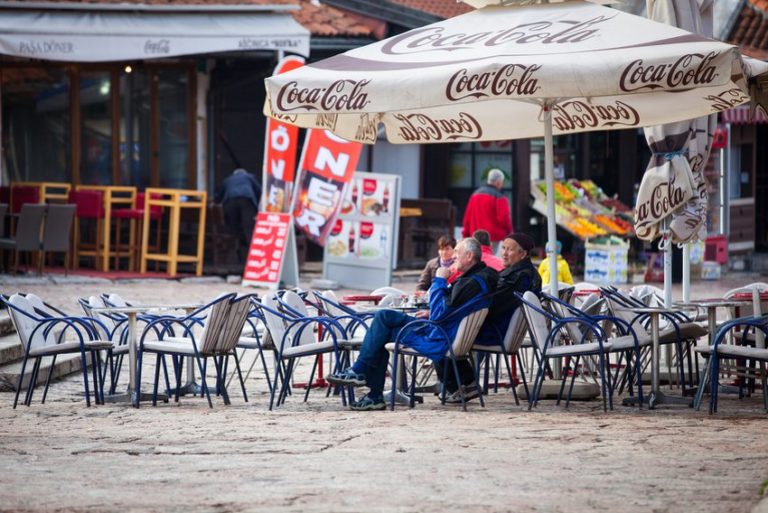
(656, 396)
(131, 313)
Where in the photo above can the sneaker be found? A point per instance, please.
(470, 392)
(347, 377)
(368, 404)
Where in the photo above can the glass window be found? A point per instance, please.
(173, 132)
(96, 128)
(469, 166)
(135, 129)
(36, 124)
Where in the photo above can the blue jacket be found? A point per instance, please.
(240, 184)
(466, 295)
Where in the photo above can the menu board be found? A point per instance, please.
(363, 236)
(272, 254)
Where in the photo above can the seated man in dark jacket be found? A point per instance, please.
(519, 275)
(470, 291)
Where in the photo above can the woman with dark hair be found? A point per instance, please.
(445, 246)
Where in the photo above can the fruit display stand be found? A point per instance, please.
(584, 210)
(603, 224)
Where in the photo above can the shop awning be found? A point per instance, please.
(740, 116)
(104, 35)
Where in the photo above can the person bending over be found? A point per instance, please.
(371, 365)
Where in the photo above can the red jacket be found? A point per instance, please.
(491, 260)
(488, 209)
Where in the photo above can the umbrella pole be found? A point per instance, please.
(667, 266)
(551, 220)
(687, 272)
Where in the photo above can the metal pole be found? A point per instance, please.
(550, 180)
(687, 272)
(667, 266)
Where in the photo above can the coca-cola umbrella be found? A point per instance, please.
(502, 73)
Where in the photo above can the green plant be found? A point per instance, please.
(763, 487)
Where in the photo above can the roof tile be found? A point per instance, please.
(750, 31)
(441, 8)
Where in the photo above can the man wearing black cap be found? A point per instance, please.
(519, 275)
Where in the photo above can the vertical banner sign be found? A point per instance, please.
(272, 239)
(327, 165)
(280, 145)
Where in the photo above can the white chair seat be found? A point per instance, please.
(628, 342)
(688, 330)
(69, 347)
(494, 348)
(308, 349)
(741, 351)
(178, 346)
(578, 349)
(252, 343)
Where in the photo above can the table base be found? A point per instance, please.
(130, 397)
(657, 398)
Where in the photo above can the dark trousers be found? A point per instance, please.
(466, 375)
(240, 216)
(374, 358)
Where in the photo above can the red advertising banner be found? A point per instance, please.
(327, 165)
(280, 145)
(268, 247)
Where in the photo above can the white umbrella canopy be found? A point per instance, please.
(515, 72)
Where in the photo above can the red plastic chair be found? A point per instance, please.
(88, 205)
(136, 217)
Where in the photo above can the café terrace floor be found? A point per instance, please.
(318, 456)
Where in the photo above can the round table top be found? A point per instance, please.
(358, 298)
(712, 303)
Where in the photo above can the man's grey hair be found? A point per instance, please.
(494, 175)
(473, 246)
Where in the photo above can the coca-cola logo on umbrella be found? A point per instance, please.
(341, 95)
(441, 39)
(580, 115)
(508, 80)
(727, 99)
(691, 70)
(421, 127)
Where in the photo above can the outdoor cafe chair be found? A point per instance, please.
(675, 327)
(459, 347)
(507, 345)
(44, 335)
(626, 343)
(720, 350)
(593, 342)
(28, 231)
(221, 325)
(355, 323)
(57, 233)
(294, 338)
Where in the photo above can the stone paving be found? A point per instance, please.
(319, 456)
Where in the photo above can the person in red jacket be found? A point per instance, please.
(488, 209)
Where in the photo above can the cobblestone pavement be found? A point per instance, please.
(318, 456)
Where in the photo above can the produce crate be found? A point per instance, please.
(606, 264)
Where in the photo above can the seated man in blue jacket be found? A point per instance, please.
(471, 288)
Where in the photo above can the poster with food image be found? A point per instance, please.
(375, 197)
(374, 240)
(341, 243)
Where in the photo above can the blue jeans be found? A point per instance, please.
(373, 358)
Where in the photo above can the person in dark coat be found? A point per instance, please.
(519, 275)
(470, 290)
(240, 194)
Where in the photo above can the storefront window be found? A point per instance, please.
(173, 132)
(36, 124)
(740, 180)
(469, 166)
(564, 158)
(95, 128)
(135, 128)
